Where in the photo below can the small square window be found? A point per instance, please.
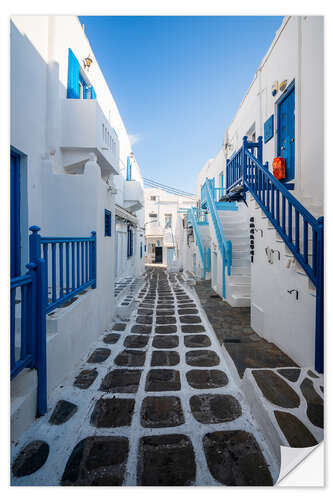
(153, 198)
(107, 223)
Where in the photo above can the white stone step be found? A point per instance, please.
(240, 300)
(244, 279)
(240, 271)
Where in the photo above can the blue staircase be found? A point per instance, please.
(301, 232)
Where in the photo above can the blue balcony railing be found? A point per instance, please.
(300, 231)
(70, 267)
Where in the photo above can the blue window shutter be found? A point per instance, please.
(92, 93)
(129, 170)
(73, 76)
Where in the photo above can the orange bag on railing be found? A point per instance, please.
(279, 168)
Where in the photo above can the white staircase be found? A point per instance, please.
(236, 229)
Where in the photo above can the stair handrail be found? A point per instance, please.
(192, 217)
(247, 170)
(262, 185)
(225, 246)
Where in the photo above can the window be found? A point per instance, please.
(152, 215)
(107, 223)
(77, 85)
(153, 198)
(168, 221)
(141, 250)
(129, 241)
(129, 170)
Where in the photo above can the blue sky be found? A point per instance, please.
(178, 81)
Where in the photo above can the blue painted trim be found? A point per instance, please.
(129, 169)
(15, 214)
(269, 128)
(225, 247)
(107, 223)
(73, 91)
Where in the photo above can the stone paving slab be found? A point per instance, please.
(249, 469)
(161, 411)
(165, 358)
(112, 412)
(97, 461)
(121, 381)
(166, 460)
(207, 379)
(215, 408)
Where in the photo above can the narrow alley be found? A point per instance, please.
(153, 403)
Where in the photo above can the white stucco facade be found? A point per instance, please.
(162, 210)
(73, 157)
(295, 58)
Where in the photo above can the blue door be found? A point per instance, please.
(15, 219)
(286, 131)
(170, 255)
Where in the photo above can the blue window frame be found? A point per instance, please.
(269, 129)
(73, 90)
(107, 222)
(15, 214)
(129, 170)
(129, 241)
(76, 80)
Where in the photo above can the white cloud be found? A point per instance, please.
(134, 138)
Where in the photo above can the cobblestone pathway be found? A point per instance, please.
(153, 403)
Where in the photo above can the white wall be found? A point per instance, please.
(63, 203)
(296, 54)
(164, 204)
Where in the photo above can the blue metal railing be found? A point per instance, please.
(225, 247)
(192, 216)
(70, 266)
(300, 231)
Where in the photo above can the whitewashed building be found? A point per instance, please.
(73, 176)
(267, 253)
(161, 214)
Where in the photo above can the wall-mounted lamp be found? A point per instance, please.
(87, 62)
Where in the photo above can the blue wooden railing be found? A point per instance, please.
(27, 322)
(70, 267)
(193, 216)
(225, 247)
(300, 231)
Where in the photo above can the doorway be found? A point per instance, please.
(286, 131)
(158, 255)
